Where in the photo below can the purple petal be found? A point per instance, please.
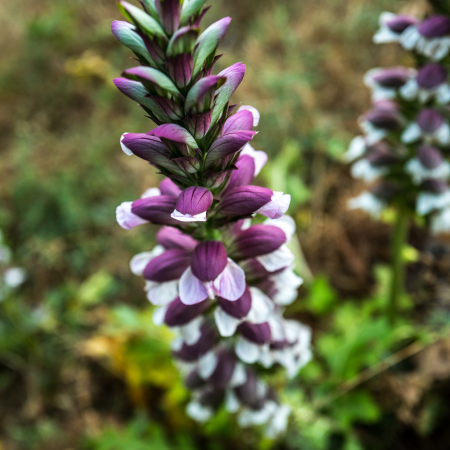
(380, 155)
(223, 372)
(248, 393)
(238, 308)
(228, 144)
(234, 75)
(192, 203)
(244, 201)
(244, 174)
(256, 241)
(170, 12)
(201, 96)
(430, 120)
(144, 146)
(255, 113)
(259, 157)
(156, 210)
(401, 23)
(206, 342)
(209, 260)
(392, 78)
(435, 186)
(170, 237)
(179, 314)
(431, 76)
(242, 120)
(384, 118)
(192, 290)
(435, 26)
(230, 284)
(430, 157)
(256, 333)
(126, 219)
(168, 266)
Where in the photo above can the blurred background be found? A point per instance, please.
(81, 364)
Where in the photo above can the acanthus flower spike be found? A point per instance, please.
(217, 281)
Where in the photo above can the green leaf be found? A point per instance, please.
(322, 298)
(208, 43)
(95, 288)
(190, 8)
(142, 20)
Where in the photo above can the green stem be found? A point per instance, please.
(398, 265)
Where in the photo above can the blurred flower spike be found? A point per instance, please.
(219, 282)
(404, 152)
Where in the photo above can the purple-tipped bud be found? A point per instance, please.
(256, 241)
(435, 26)
(431, 76)
(170, 12)
(242, 120)
(134, 90)
(154, 81)
(200, 97)
(179, 314)
(240, 307)
(170, 237)
(244, 174)
(226, 362)
(380, 156)
(248, 393)
(125, 217)
(385, 190)
(126, 34)
(430, 157)
(246, 200)
(156, 210)
(256, 333)
(206, 342)
(176, 138)
(192, 204)
(208, 260)
(199, 124)
(434, 186)
(393, 78)
(234, 76)
(430, 120)
(168, 266)
(384, 118)
(400, 23)
(147, 147)
(227, 145)
(168, 187)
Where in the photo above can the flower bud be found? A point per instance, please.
(435, 27)
(168, 266)
(170, 237)
(169, 12)
(430, 157)
(209, 260)
(192, 204)
(431, 76)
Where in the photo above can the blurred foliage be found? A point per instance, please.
(81, 364)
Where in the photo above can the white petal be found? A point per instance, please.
(225, 323)
(125, 149)
(262, 306)
(230, 284)
(279, 422)
(177, 344)
(125, 218)
(232, 404)
(259, 157)
(440, 223)
(367, 202)
(442, 134)
(287, 279)
(14, 276)
(363, 170)
(373, 134)
(355, 150)
(207, 365)
(198, 412)
(191, 331)
(247, 351)
(419, 172)
(192, 290)
(152, 192)
(278, 205)
(278, 259)
(410, 90)
(427, 202)
(139, 262)
(285, 297)
(188, 217)
(239, 376)
(411, 133)
(384, 36)
(443, 94)
(158, 315)
(285, 223)
(254, 111)
(410, 37)
(163, 293)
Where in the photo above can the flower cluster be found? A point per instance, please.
(11, 277)
(405, 149)
(219, 282)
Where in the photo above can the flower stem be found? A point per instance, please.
(398, 265)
